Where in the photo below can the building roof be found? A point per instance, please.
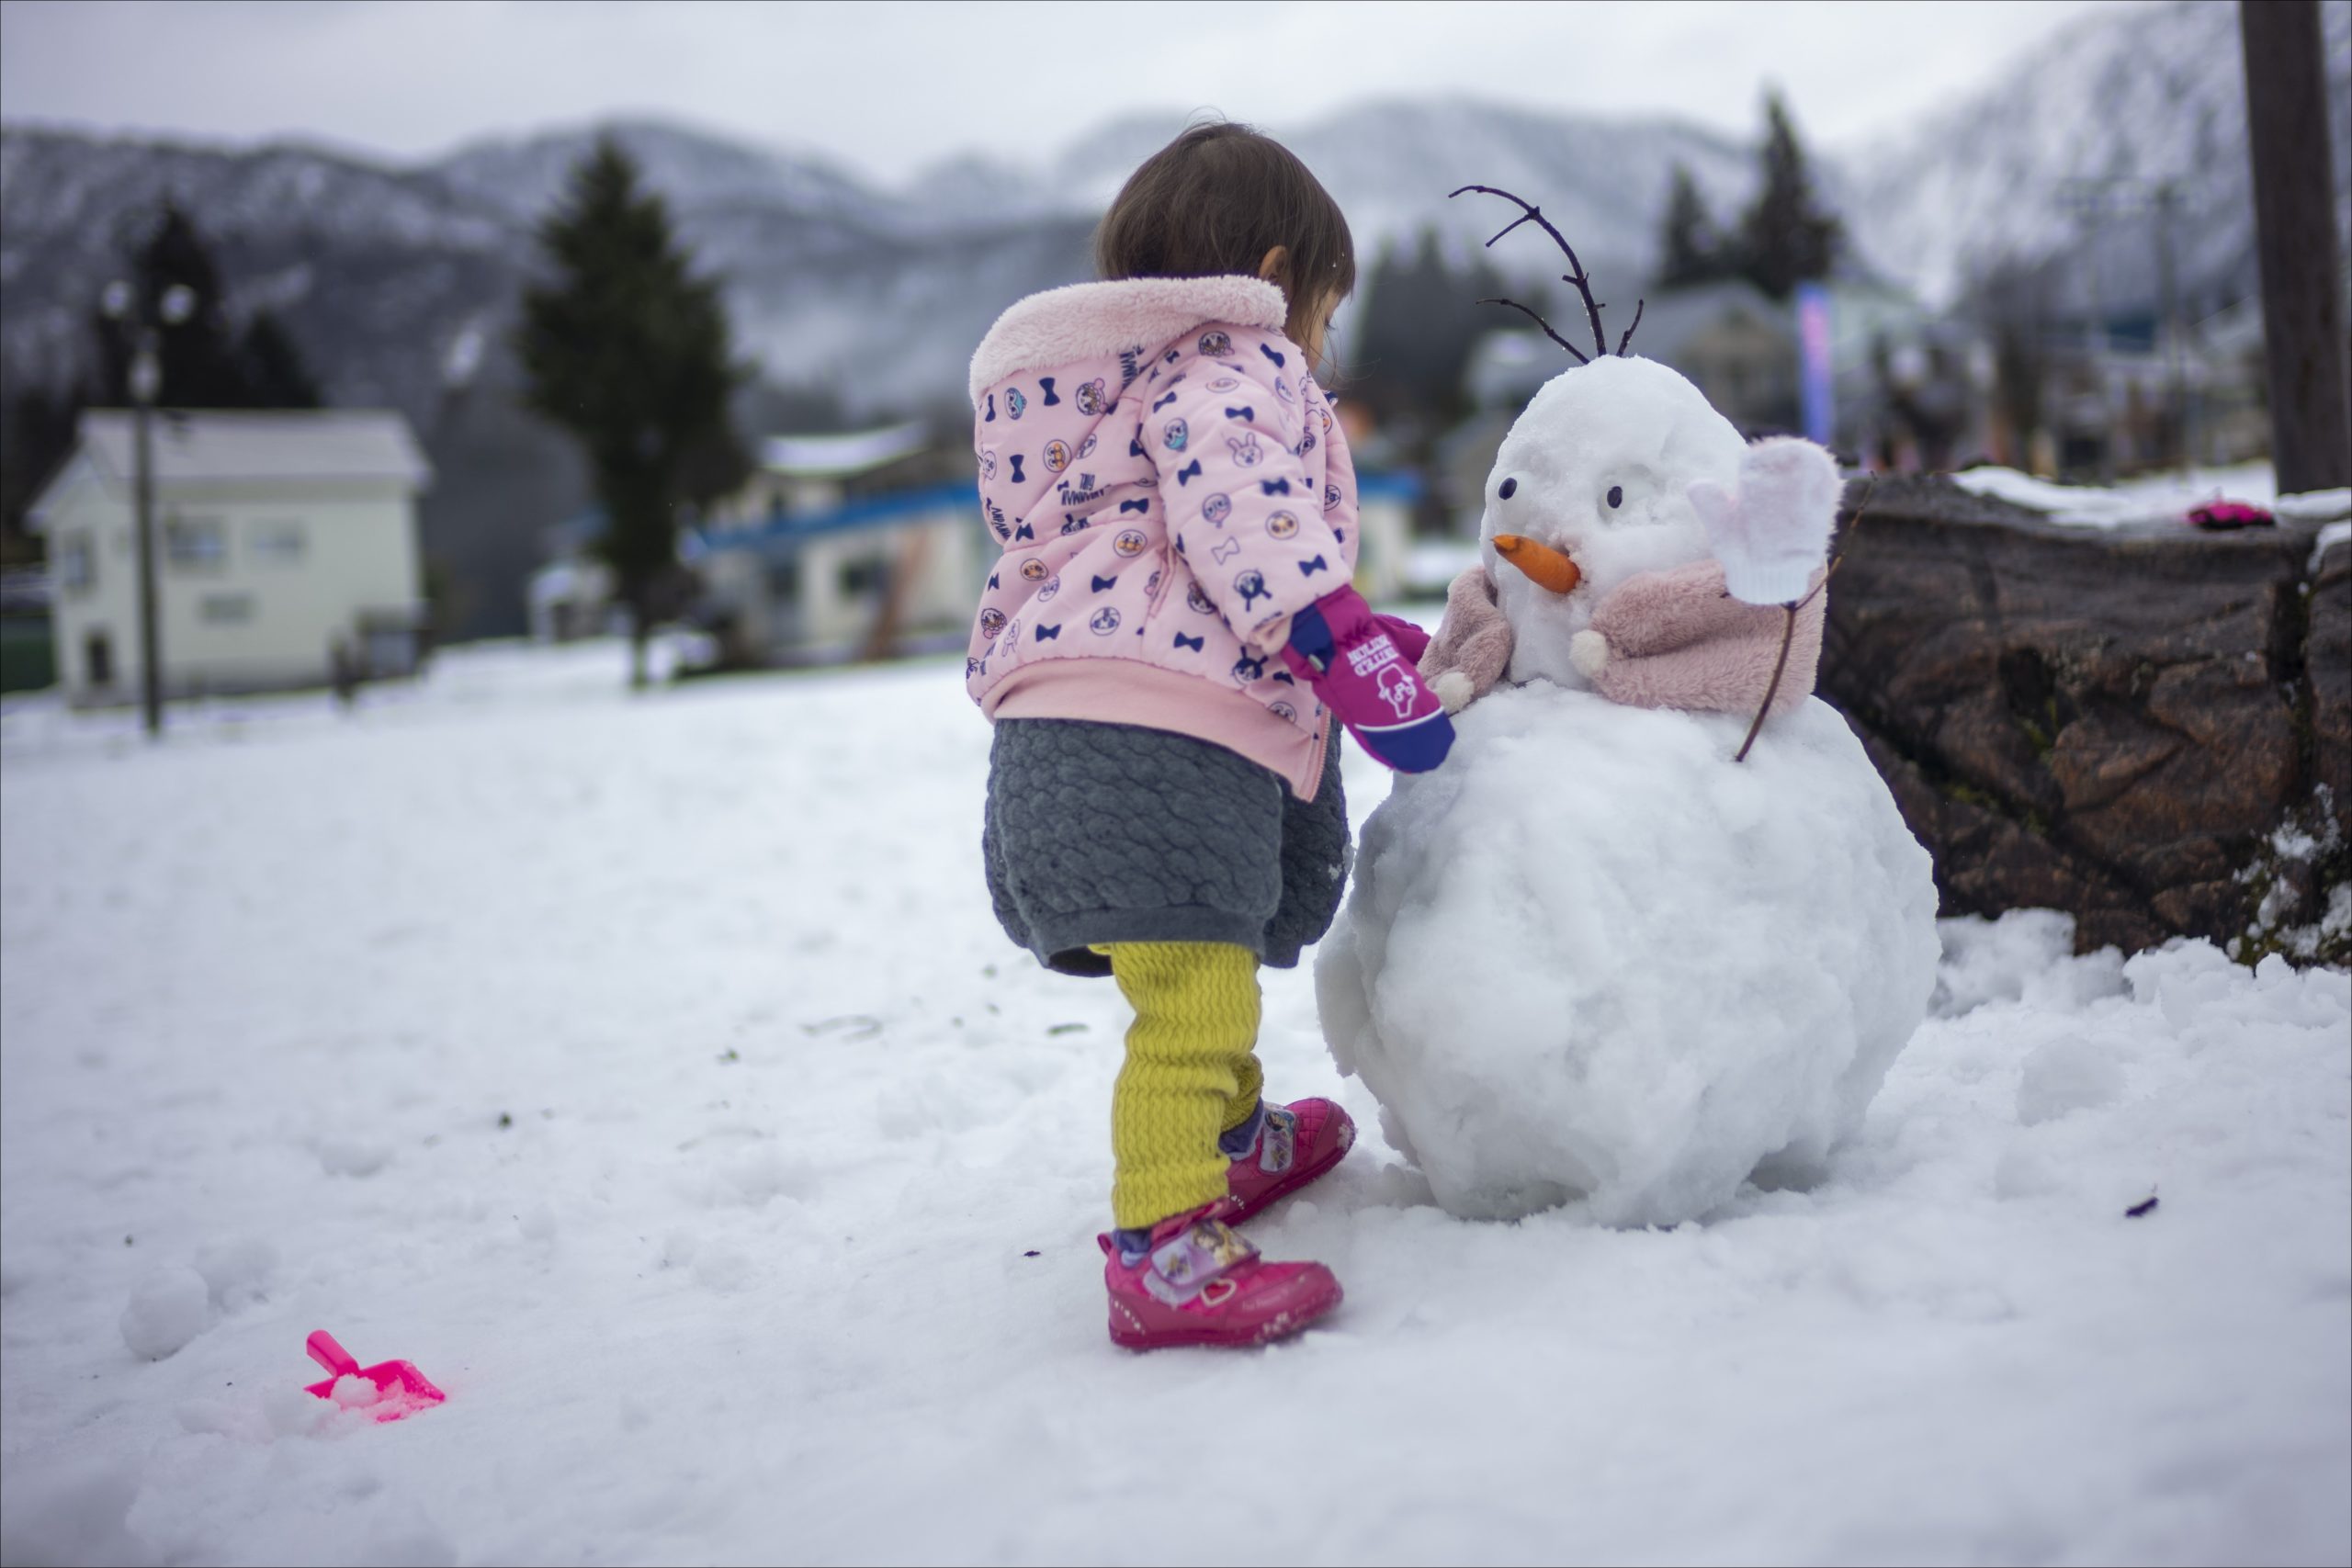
(277, 446)
(840, 457)
(951, 501)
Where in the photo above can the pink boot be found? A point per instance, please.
(1297, 1143)
(1202, 1284)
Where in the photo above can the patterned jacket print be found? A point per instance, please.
(1168, 485)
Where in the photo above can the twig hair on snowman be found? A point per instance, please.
(1634, 545)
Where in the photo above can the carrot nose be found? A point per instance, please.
(1544, 566)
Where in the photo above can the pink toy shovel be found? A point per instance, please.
(401, 1389)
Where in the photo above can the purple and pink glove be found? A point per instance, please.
(1361, 665)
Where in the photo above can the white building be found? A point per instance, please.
(280, 537)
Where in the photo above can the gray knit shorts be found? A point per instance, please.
(1109, 832)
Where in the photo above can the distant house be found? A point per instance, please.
(862, 580)
(841, 546)
(282, 539)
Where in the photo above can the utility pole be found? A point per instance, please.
(2294, 210)
(126, 302)
(2087, 200)
(2166, 195)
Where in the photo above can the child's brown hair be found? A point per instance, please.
(1215, 201)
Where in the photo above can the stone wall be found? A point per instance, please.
(2149, 727)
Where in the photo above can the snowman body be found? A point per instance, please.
(1591, 957)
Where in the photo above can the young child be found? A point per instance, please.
(1162, 649)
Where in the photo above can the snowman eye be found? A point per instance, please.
(1509, 488)
(1616, 495)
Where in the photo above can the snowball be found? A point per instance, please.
(170, 1307)
(2064, 1076)
(1593, 956)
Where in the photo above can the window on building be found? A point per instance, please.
(784, 581)
(860, 576)
(77, 564)
(97, 653)
(197, 543)
(277, 541)
(227, 609)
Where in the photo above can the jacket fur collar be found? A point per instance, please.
(1089, 320)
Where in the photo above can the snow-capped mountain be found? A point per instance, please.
(2148, 96)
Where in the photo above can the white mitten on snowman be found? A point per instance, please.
(1772, 536)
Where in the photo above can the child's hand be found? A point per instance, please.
(1355, 663)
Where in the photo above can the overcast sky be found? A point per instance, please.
(888, 88)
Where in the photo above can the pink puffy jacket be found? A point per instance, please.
(1168, 485)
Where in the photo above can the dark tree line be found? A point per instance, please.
(1783, 238)
(208, 362)
(1420, 319)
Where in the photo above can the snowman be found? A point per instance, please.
(1656, 928)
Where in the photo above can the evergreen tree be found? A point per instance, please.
(1785, 239)
(204, 365)
(1691, 251)
(35, 437)
(275, 376)
(1420, 319)
(627, 350)
(197, 356)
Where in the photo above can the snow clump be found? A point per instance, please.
(170, 1307)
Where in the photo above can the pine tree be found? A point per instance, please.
(204, 365)
(1420, 321)
(275, 376)
(1785, 239)
(627, 350)
(35, 437)
(197, 356)
(1689, 248)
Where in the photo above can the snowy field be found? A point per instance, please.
(650, 1073)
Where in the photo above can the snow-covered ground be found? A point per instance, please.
(650, 1073)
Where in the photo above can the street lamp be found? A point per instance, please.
(125, 303)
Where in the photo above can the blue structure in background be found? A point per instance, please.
(1814, 371)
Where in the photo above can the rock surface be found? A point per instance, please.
(2146, 728)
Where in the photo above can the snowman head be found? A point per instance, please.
(1596, 472)
(1592, 484)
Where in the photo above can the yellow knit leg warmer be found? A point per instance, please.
(1190, 1072)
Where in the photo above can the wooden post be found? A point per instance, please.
(2294, 207)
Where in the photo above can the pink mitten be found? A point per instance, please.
(1349, 658)
(1410, 639)
(1773, 534)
